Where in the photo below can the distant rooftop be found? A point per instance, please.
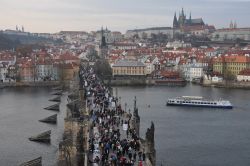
(124, 63)
(149, 29)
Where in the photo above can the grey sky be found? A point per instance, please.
(56, 15)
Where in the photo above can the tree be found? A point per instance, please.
(228, 75)
(144, 36)
(135, 36)
(7, 43)
(103, 69)
(92, 54)
(153, 37)
(217, 36)
(178, 36)
(24, 50)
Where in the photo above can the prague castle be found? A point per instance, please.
(183, 21)
(189, 25)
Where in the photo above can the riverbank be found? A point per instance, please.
(144, 82)
(231, 85)
(30, 84)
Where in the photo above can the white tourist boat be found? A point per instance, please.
(198, 101)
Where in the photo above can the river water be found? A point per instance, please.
(184, 136)
(20, 110)
(194, 136)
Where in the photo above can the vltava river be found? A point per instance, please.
(194, 136)
(184, 136)
(20, 110)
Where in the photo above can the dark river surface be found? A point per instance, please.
(184, 136)
(194, 136)
(20, 110)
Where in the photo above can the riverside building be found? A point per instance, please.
(124, 68)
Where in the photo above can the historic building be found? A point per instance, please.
(183, 21)
(192, 71)
(148, 32)
(189, 25)
(231, 64)
(231, 34)
(129, 68)
(110, 37)
(102, 45)
(244, 75)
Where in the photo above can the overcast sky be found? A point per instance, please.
(56, 15)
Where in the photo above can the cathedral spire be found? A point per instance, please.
(182, 12)
(175, 22)
(231, 26)
(235, 25)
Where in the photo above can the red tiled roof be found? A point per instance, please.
(68, 56)
(228, 59)
(170, 74)
(245, 72)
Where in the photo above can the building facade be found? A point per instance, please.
(44, 70)
(183, 21)
(192, 71)
(110, 37)
(231, 34)
(27, 72)
(128, 68)
(190, 26)
(147, 32)
(231, 64)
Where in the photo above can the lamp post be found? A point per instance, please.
(125, 107)
(120, 100)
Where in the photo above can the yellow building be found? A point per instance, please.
(231, 64)
(129, 68)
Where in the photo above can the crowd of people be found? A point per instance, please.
(113, 140)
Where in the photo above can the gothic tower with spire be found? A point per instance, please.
(235, 25)
(183, 21)
(182, 18)
(231, 26)
(103, 46)
(175, 22)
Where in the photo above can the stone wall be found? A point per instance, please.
(129, 82)
(30, 84)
